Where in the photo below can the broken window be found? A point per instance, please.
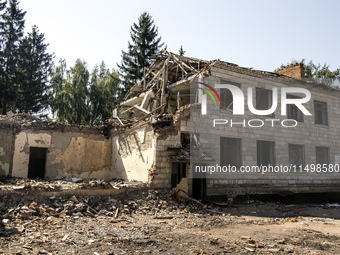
(322, 155)
(190, 140)
(265, 153)
(37, 161)
(179, 171)
(230, 151)
(185, 140)
(226, 95)
(264, 99)
(320, 113)
(296, 154)
(293, 112)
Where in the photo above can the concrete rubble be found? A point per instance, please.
(22, 121)
(151, 221)
(68, 183)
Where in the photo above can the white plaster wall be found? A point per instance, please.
(22, 143)
(133, 155)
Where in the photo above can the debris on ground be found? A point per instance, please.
(68, 183)
(147, 221)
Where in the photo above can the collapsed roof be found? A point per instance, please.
(167, 82)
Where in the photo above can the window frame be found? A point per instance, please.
(316, 154)
(260, 149)
(224, 91)
(269, 99)
(290, 108)
(295, 153)
(224, 161)
(323, 112)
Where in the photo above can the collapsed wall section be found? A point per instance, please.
(133, 153)
(171, 156)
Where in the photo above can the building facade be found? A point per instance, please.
(160, 136)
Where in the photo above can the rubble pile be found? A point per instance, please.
(148, 221)
(152, 202)
(12, 183)
(182, 113)
(20, 121)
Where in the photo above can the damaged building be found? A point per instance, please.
(32, 148)
(158, 134)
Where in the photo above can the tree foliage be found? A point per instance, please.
(81, 98)
(30, 82)
(25, 65)
(144, 43)
(103, 93)
(317, 72)
(321, 73)
(70, 92)
(181, 51)
(34, 68)
(12, 30)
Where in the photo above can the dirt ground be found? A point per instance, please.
(153, 222)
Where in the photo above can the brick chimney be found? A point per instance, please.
(296, 71)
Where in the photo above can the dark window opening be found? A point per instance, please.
(185, 140)
(293, 112)
(179, 171)
(296, 154)
(190, 141)
(265, 153)
(230, 151)
(264, 100)
(322, 155)
(320, 112)
(227, 96)
(37, 161)
(199, 183)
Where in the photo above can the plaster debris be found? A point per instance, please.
(153, 221)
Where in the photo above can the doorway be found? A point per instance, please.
(179, 171)
(199, 184)
(37, 162)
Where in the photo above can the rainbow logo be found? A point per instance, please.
(209, 93)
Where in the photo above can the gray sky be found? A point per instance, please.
(262, 34)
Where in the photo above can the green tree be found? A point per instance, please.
(316, 72)
(145, 43)
(34, 69)
(2, 70)
(11, 33)
(320, 73)
(3, 5)
(57, 93)
(181, 51)
(70, 93)
(103, 93)
(2, 23)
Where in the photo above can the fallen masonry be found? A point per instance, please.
(152, 221)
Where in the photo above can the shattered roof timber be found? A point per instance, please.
(169, 73)
(181, 69)
(167, 69)
(172, 73)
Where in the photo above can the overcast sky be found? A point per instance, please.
(260, 34)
